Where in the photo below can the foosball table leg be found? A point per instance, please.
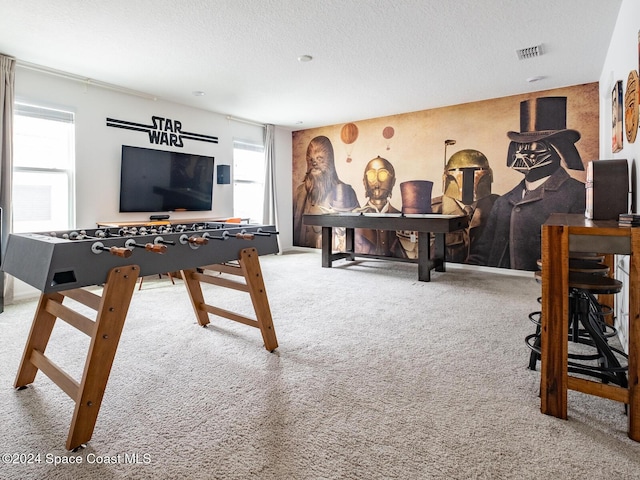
(104, 332)
(192, 283)
(249, 268)
(250, 265)
(41, 330)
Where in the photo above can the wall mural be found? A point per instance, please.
(508, 163)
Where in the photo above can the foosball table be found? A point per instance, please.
(62, 264)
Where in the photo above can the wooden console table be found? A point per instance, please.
(561, 234)
(156, 223)
(424, 224)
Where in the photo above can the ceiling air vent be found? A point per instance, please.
(529, 52)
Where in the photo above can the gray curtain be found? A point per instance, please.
(7, 94)
(270, 209)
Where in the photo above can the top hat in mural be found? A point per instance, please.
(416, 196)
(344, 198)
(545, 118)
(542, 119)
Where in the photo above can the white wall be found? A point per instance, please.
(622, 57)
(98, 146)
(284, 189)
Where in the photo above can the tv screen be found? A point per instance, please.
(161, 181)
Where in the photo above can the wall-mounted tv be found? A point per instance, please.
(161, 181)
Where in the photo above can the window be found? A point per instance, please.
(43, 168)
(248, 180)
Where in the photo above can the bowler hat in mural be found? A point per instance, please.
(416, 196)
(545, 119)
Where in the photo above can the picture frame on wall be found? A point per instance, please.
(617, 115)
(631, 107)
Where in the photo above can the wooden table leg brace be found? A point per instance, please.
(249, 268)
(104, 331)
(555, 381)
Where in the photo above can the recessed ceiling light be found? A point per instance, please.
(198, 93)
(305, 58)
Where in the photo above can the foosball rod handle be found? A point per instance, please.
(198, 240)
(123, 252)
(150, 247)
(241, 235)
(245, 236)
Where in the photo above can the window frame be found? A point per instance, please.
(27, 108)
(251, 146)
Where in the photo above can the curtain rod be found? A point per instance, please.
(81, 79)
(242, 120)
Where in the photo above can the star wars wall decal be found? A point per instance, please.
(162, 131)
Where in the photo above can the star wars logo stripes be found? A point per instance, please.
(162, 131)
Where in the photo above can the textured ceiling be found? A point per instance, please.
(371, 58)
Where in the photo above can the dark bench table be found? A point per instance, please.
(424, 224)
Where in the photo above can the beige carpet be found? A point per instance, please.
(378, 376)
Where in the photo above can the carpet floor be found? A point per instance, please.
(377, 376)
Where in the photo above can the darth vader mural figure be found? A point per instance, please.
(512, 236)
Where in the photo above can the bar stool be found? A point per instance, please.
(594, 257)
(585, 310)
(587, 280)
(586, 263)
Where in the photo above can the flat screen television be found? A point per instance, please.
(161, 181)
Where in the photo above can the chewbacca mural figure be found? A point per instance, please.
(512, 236)
(317, 191)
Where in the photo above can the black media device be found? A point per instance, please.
(159, 217)
(162, 181)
